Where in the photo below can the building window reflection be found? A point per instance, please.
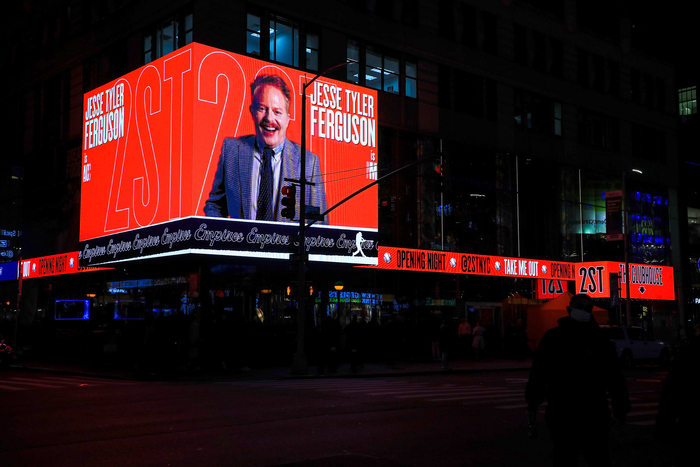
(167, 37)
(687, 101)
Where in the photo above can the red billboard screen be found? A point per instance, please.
(648, 281)
(205, 132)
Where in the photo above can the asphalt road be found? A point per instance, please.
(432, 420)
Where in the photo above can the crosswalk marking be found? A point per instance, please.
(639, 414)
(482, 396)
(31, 382)
(19, 383)
(517, 406)
(9, 388)
(475, 394)
(508, 397)
(435, 391)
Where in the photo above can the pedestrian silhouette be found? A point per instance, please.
(479, 341)
(446, 339)
(574, 368)
(329, 345)
(679, 408)
(465, 337)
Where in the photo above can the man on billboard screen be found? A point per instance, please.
(252, 169)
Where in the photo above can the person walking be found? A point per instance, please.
(574, 368)
(679, 408)
(435, 338)
(479, 341)
(445, 342)
(465, 337)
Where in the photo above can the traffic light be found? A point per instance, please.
(289, 201)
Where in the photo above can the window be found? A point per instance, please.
(614, 80)
(411, 79)
(635, 80)
(537, 113)
(446, 16)
(312, 48)
(660, 94)
(167, 37)
(693, 226)
(557, 118)
(284, 40)
(598, 73)
(597, 130)
(382, 70)
(409, 12)
(520, 45)
(353, 70)
(582, 67)
(687, 101)
(489, 44)
(290, 42)
(648, 144)
(466, 93)
(557, 63)
(539, 42)
(253, 35)
(469, 25)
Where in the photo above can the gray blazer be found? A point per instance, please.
(230, 195)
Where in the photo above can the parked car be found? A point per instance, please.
(635, 345)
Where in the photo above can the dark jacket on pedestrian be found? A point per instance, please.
(446, 337)
(574, 369)
(679, 407)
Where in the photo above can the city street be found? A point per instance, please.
(424, 420)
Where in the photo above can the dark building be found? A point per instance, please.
(532, 110)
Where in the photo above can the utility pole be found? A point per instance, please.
(626, 231)
(300, 365)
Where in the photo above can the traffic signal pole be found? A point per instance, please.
(300, 365)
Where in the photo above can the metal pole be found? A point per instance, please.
(625, 231)
(300, 365)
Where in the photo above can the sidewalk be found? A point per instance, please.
(369, 370)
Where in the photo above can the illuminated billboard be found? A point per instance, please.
(8, 271)
(648, 282)
(72, 309)
(197, 146)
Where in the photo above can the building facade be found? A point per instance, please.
(531, 111)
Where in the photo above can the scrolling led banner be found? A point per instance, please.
(405, 259)
(54, 265)
(231, 237)
(649, 282)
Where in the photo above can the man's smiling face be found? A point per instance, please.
(270, 111)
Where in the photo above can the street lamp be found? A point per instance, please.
(625, 233)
